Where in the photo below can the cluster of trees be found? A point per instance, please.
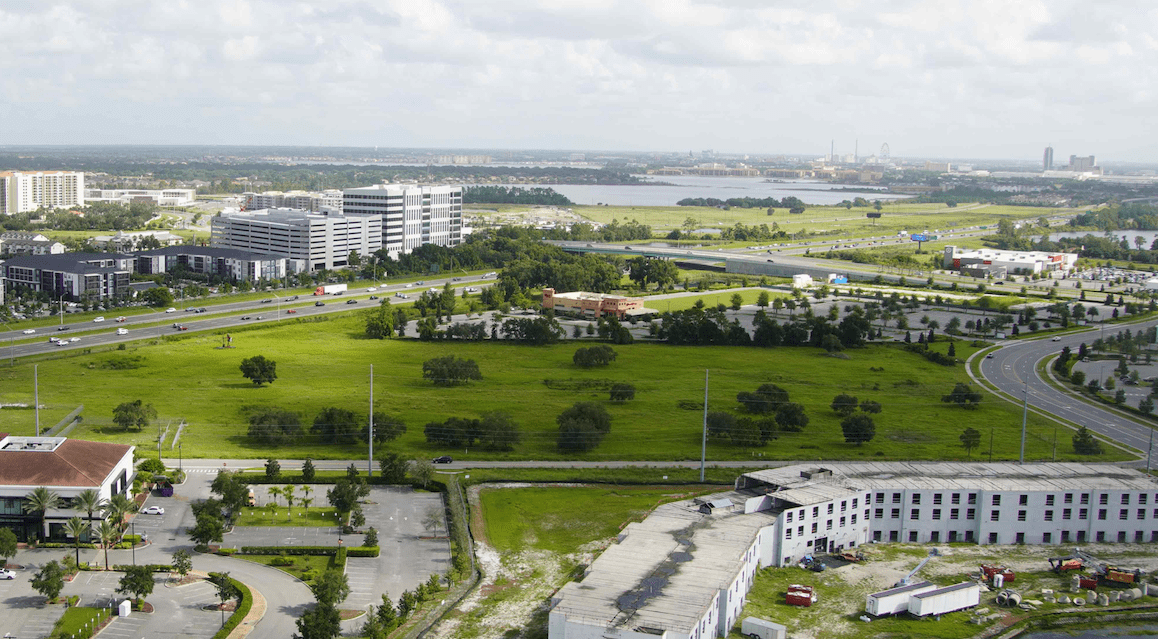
(533, 330)
(495, 430)
(513, 195)
(333, 425)
(858, 427)
(1142, 217)
(382, 620)
(790, 202)
(98, 216)
(450, 371)
(591, 356)
(662, 273)
(741, 233)
(963, 395)
(768, 411)
(41, 499)
(134, 414)
(582, 427)
(324, 620)
(711, 326)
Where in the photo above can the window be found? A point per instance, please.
(955, 498)
(1103, 499)
(1065, 536)
(896, 498)
(1153, 536)
(894, 535)
(1126, 499)
(1085, 498)
(1047, 538)
(880, 498)
(843, 506)
(1049, 500)
(1020, 539)
(1069, 498)
(996, 500)
(852, 520)
(1049, 515)
(1141, 513)
(842, 519)
(800, 515)
(1155, 516)
(896, 513)
(992, 538)
(937, 499)
(972, 498)
(915, 514)
(1137, 536)
(814, 527)
(1102, 514)
(855, 504)
(912, 536)
(1023, 500)
(830, 508)
(876, 535)
(994, 515)
(1121, 536)
(1083, 513)
(879, 513)
(971, 513)
(816, 511)
(789, 519)
(1066, 512)
(936, 514)
(1142, 499)
(1101, 536)
(1124, 513)
(788, 533)
(828, 525)
(1021, 515)
(954, 513)
(916, 498)
(800, 531)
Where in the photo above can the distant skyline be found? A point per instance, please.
(952, 79)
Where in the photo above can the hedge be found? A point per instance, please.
(340, 551)
(243, 607)
(151, 567)
(340, 558)
(364, 551)
(56, 544)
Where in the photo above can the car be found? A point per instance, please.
(445, 459)
(62, 342)
(256, 317)
(63, 328)
(627, 247)
(293, 298)
(122, 331)
(409, 286)
(7, 574)
(266, 301)
(402, 296)
(182, 327)
(29, 331)
(989, 356)
(121, 319)
(152, 510)
(371, 289)
(190, 310)
(319, 303)
(74, 340)
(472, 289)
(420, 283)
(373, 297)
(170, 310)
(351, 301)
(244, 317)
(202, 310)
(99, 319)
(456, 279)
(292, 311)
(1056, 339)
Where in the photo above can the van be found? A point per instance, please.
(251, 500)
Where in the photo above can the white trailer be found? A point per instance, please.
(894, 600)
(761, 629)
(330, 289)
(943, 600)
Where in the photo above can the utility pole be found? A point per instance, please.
(1024, 416)
(370, 460)
(36, 396)
(704, 444)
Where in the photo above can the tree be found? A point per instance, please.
(7, 545)
(380, 322)
(844, 404)
(108, 534)
(1146, 405)
(319, 622)
(622, 392)
(308, 470)
(582, 427)
(1120, 397)
(450, 371)
(137, 580)
(182, 562)
(737, 301)
(90, 501)
(275, 426)
(232, 488)
(394, 467)
(331, 587)
(1085, 443)
(337, 425)
(49, 580)
(343, 496)
(422, 471)
(259, 370)
(225, 590)
(76, 528)
(970, 439)
(497, 430)
(40, 501)
(387, 428)
(720, 424)
(158, 297)
(963, 395)
(1078, 378)
(134, 413)
(272, 468)
(207, 530)
(762, 299)
(858, 428)
(588, 357)
(791, 417)
(764, 400)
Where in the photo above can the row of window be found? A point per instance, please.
(815, 526)
(995, 515)
(1020, 538)
(1022, 499)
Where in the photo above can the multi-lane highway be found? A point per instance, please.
(1014, 363)
(15, 343)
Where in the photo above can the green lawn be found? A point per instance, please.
(79, 621)
(563, 519)
(327, 363)
(320, 517)
(313, 564)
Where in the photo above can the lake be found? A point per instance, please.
(1097, 633)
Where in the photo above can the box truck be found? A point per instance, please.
(330, 289)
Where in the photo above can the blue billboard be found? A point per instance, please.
(919, 238)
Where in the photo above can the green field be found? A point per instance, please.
(327, 363)
(302, 564)
(318, 517)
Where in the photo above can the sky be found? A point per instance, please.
(941, 78)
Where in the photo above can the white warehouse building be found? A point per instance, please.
(685, 571)
(412, 215)
(1000, 263)
(311, 241)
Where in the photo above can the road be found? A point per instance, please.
(1015, 362)
(216, 317)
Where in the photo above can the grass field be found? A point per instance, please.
(326, 363)
(78, 621)
(314, 564)
(319, 517)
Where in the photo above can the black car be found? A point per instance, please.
(373, 297)
(445, 459)
(319, 303)
(351, 301)
(244, 317)
(266, 301)
(63, 328)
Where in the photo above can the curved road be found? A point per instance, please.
(1012, 364)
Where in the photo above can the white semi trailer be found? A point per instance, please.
(894, 600)
(943, 600)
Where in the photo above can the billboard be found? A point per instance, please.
(919, 238)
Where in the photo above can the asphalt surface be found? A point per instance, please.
(1015, 363)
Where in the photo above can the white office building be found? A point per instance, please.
(328, 200)
(160, 197)
(22, 191)
(412, 215)
(311, 241)
(125, 241)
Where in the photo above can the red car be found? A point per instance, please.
(182, 327)
(292, 310)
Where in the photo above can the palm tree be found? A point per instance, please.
(118, 507)
(108, 534)
(40, 500)
(74, 528)
(90, 501)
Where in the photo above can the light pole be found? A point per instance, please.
(180, 461)
(134, 525)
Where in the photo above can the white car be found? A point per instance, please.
(7, 574)
(122, 331)
(99, 319)
(371, 289)
(74, 340)
(153, 510)
(170, 310)
(1056, 339)
(29, 331)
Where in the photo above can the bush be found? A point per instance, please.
(363, 551)
(151, 567)
(282, 561)
(340, 558)
(244, 604)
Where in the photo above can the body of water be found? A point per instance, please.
(723, 188)
(1148, 236)
(1148, 630)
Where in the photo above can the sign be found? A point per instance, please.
(919, 238)
(872, 215)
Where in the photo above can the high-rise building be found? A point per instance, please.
(1047, 159)
(412, 215)
(312, 241)
(21, 191)
(1082, 163)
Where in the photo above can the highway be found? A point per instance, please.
(1015, 362)
(216, 317)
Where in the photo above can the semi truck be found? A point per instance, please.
(330, 289)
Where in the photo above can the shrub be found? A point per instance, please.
(244, 604)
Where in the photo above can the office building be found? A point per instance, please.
(74, 276)
(594, 305)
(65, 466)
(411, 215)
(312, 241)
(21, 192)
(123, 241)
(329, 200)
(160, 197)
(228, 264)
(1047, 159)
(1082, 164)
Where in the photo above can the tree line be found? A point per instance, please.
(513, 195)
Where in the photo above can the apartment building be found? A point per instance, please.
(312, 240)
(23, 191)
(412, 215)
(231, 264)
(74, 276)
(330, 199)
(124, 241)
(21, 243)
(160, 197)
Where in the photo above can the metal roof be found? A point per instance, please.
(940, 591)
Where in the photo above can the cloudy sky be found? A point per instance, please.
(943, 78)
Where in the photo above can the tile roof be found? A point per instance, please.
(73, 463)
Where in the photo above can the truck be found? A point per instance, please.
(330, 289)
(944, 600)
(895, 600)
(758, 628)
